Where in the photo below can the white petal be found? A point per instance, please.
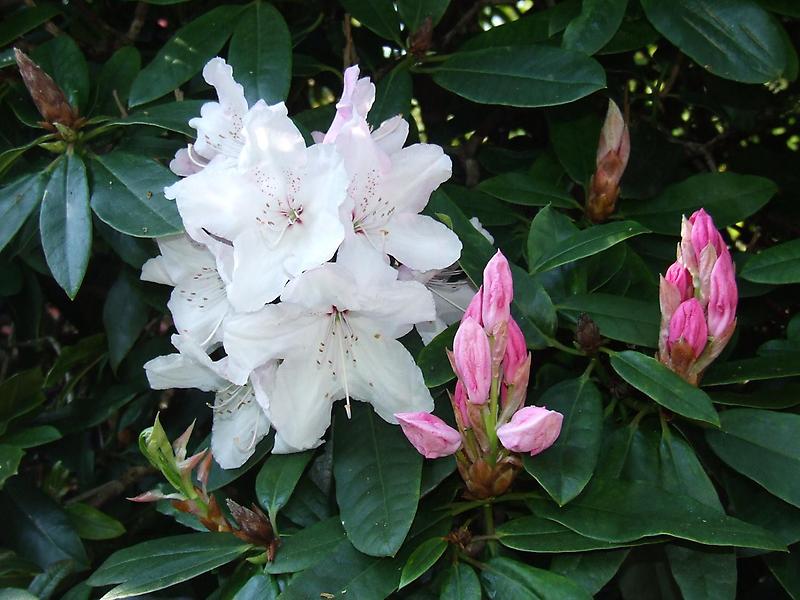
(386, 376)
(183, 165)
(367, 265)
(416, 171)
(155, 270)
(428, 330)
(271, 139)
(324, 287)
(198, 305)
(236, 431)
(394, 309)
(281, 447)
(420, 242)
(258, 272)
(391, 135)
(302, 400)
(180, 371)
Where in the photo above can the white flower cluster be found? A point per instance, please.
(265, 215)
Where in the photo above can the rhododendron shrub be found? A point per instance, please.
(413, 299)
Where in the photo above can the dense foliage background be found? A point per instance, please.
(654, 490)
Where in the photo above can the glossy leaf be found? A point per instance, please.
(432, 359)
(460, 583)
(727, 197)
(377, 476)
(10, 457)
(703, 572)
(37, 527)
(20, 394)
(30, 437)
(590, 570)
(535, 534)
(754, 369)
(64, 62)
(261, 54)
(619, 511)
(527, 76)
(379, 15)
(734, 39)
(786, 569)
(21, 22)
(619, 318)
(566, 467)
(159, 563)
(65, 223)
(18, 200)
(92, 524)
(665, 387)
(307, 546)
(587, 242)
(423, 558)
(184, 54)
(172, 116)
(115, 80)
(594, 27)
(277, 479)
(524, 189)
(392, 96)
(507, 578)
(762, 445)
(259, 587)
(128, 195)
(777, 265)
(124, 316)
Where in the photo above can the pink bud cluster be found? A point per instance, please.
(492, 363)
(698, 297)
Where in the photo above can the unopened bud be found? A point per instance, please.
(532, 429)
(678, 276)
(613, 151)
(498, 291)
(515, 351)
(49, 98)
(475, 307)
(432, 437)
(688, 324)
(705, 233)
(723, 297)
(587, 334)
(472, 358)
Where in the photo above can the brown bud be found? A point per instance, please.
(613, 151)
(48, 97)
(587, 334)
(419, 42)
(254, 527)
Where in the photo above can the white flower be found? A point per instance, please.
(390, 185)
(336, 330)
(240, 421)
(198, 303)
(277, 205)
(219, 125)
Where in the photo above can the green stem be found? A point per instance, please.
(488, 518)
(554, 343)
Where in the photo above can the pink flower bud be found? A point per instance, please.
(432, 437)
(498, 290)
(531, 429)
(705, 233)
(723, 296)
(688, 323)
(678, 276)
(686, 253)
(475, 307)
(460, 405)
(516, 351)
(473, 362)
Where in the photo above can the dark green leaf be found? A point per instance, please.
(64, 62)
(619, 318)
(124, 317)
(754, 369)
(777, 265)
(156, 564)
(727, 197)
(574, 133)
(37, 527)
(92, 524)
(548, 227)
(21, 22)
(85, 351)
(307, 546)
(261, 54)
(524, 189)
(432, 359)
(377, 476)
(392, 96)
(260, 587)
(45, 584)
(590, 570)
(665, 387)
(534, 534)
(566, 467)
(587, 242)
(703, 573)
(172, 116)
(623, 511)
(415, 12)
(423, 558)
(31, 437)
(128, 195)
(18, 200)
(379, 15)
(774, 397)
(734, 39)
(344, 575)
(277, 479)
(184, 54)
(10, 457)
(65, 223)
(20, 394)
(595, 26)
(528, 76)
(762, 445)
(506, 578)
(219, 477)
(460, 583)
(786, 569)
(115, 80)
